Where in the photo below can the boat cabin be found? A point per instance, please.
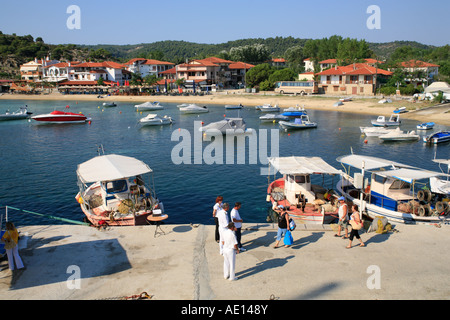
(387, 191)
(298, 186)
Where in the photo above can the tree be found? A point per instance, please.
(254, 54)
(285, 74)
(100, 81)
(258, 74)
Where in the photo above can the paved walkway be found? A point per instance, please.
(77, 262)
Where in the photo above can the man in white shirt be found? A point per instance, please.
(230, 248)
(236, 218)
(222, 216)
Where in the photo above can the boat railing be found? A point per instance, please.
(8, 208)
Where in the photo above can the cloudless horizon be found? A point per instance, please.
(212, 22)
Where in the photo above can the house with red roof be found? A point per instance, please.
(354, 79)
(88, 73)
(148, 66)
(420, 72)
(32, 70)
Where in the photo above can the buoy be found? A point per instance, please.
(339, 129)
(289, 134)
(120, 112)
(365, 141)
(89, 122)
(224, 115)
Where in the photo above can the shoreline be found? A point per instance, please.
(369, 106)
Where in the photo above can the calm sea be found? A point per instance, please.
(39, 162)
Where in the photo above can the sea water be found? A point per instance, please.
(39, 162)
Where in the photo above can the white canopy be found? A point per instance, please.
(370, 163)
(438, 86)
(302, 165)
(110, 167)
(408, 175)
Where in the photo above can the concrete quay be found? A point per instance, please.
(66, 262)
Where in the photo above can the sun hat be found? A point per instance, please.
(341, 198)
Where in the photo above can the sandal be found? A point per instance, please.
(336, 235)
(348, 247)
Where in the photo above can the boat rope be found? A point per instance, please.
(46, 215)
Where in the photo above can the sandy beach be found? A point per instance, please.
(420, 111)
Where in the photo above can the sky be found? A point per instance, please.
(212, 21)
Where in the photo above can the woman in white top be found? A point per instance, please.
(216, 208)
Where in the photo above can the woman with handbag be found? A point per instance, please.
(356, 223)
(11, 239)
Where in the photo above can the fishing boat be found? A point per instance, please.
(117, 191)
(227, 126)
(273, 117)
(61, 117)
(437, 137)
(375, 131)
(148, 106)
(381, 121)
(229, 106)
(305, 201)
(155, 120)
(399, 135)
(22, 113)
(395, 191)
(193, 108)
(269, 108)
(109, 104)
(442, 186)
(425, 126)
(299, 123)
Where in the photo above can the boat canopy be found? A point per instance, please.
(408, 175)
(302, 165)
(370, 163)
(110, 167)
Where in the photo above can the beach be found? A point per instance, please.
(420, 111)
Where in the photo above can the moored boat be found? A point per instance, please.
(117, 191)
(399, 135)
(22, 113)
(229, 106)
(193, 108)
(375, 131)
(273, 117)
(109, 104)
(392, 191)
(299, 123)
(437, 137)
(269, 108)
(227, 126)
(305, 201)
(155, 120)
(425, 126)
(381, 121)
(61, 117)
(149, 106)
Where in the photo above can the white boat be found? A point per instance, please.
(61, 117)
(299, 123)
(227, 126)
(392, 191)
(437, 137)
(442, 187)
(269, 108)
(425, 126)
(183, 105)
(149, 106)
(337, 104)
(22, 113)
(381, 121)
(109, 104)
(117, 190)
(399, 135)
(229, 106)
(375, 131)
(273, 117)
(193, 108)
(308, 202)
(346, 99)
(400, 110)
(387, 100)
(155, 120)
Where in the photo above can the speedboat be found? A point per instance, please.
(387, 100)
(193, 108)
(381, 121)
(273, 117)
(149, 106)
(425, 126)
(155, 120)
(109, 104)
(269, 108)
(60, 117)
(375, 131)
(437, 137)
(22, 113)
(229, 106)
(399, 135)
(392, 191)
(294, 112)
(400, 110)
(117, 191)
(310, 203)
(299, 123)
(227, 126)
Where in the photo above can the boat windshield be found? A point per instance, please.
(116, 186)
(400, 184)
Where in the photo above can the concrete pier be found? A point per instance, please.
(68, 262)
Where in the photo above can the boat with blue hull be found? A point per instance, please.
(437, 137)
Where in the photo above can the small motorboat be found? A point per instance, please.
(387, 100)
(425, 126)
(148, 106)
(437, 137)
(269, 108)
(299, 123)
(109, 104)
(337, 104)
(116, 190)
(273, 117)
(226, 126)
(22, 113)
(346, 99)
(375, 131)
(400, 110)
(155, 120)
(381, 121)
(193, 108)
(60, 117)
(294, 112)
(229, 106)
(399, 135)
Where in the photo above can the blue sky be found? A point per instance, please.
(212, 21)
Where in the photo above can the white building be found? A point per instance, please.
(32, 70)
(148, 66)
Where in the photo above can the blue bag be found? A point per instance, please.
(288, 240)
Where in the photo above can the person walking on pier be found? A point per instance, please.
(230, 249)
(355, 233)
(236, 218)
(216, 208)
(11, 240)
(222, 216)
(343, 217)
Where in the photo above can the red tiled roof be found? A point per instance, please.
(169, 71)
(134, 60)
(153, 61)
(278, 60)
(63, 64)
(417, 64)
(83, 83)
(329, 61)
(370, 60)
(215, 60)
(355, 69)
(240, 65)
(104, 64)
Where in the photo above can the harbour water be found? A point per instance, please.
(39, 162)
